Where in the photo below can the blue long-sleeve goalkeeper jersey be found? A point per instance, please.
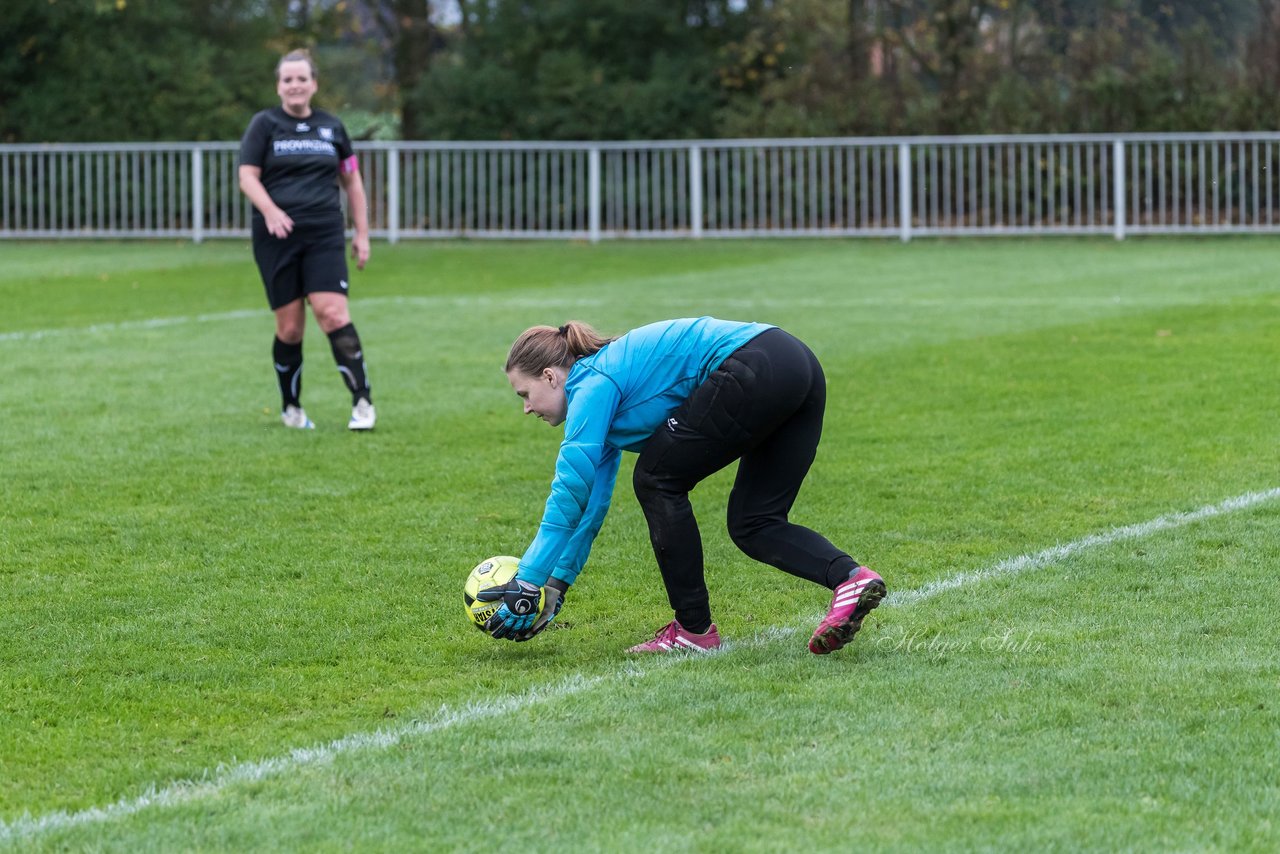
(617, 397)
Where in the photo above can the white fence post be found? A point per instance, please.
(904, 191)
(1117, 152)
(393, 194)
(197, 195)
(695, 191)
(593, 194)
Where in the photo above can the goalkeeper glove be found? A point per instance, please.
(518, 611)
(554, 593)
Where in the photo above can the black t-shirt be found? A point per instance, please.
(299, 159)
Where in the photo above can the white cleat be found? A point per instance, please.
(363, 416)
(296, 417)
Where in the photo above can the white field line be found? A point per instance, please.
(1054, 554)
(127, 325)
(501, 301)
(184, 791)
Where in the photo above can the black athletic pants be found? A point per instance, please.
(762, 406)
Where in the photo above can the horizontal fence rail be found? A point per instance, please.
(856, 187)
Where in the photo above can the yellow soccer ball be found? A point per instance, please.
(493, 572)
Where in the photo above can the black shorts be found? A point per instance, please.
(312, 258)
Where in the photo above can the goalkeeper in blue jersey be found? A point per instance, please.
(689, 396)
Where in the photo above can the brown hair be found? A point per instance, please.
(299, 55)
(540, 347)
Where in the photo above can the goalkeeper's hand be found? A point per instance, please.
(518, 618)
(518, 611)
(554, 593)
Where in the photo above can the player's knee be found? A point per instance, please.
(747, 531)
(644, 484)
(656, 491)
(331, 317)
(330, 310)
(289, 332)
(291, 322)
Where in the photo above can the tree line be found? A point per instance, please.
(153, 70)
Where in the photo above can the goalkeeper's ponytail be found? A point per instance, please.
(541, 347)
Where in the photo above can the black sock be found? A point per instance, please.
(695, 621)
(350, 358)
(288, 359)
(841, 570)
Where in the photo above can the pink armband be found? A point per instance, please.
(351, 164)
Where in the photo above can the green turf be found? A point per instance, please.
(185, 586)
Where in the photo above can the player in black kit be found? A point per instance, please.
(292, 160)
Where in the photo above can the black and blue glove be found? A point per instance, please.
(518, 617)
(518, 611)
(554, 592)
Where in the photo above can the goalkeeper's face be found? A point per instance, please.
(543, 395)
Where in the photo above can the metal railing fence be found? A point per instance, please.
(849, 187)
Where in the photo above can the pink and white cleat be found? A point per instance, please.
(853, 600)
(674, 637)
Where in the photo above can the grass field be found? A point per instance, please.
(1063, 456)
